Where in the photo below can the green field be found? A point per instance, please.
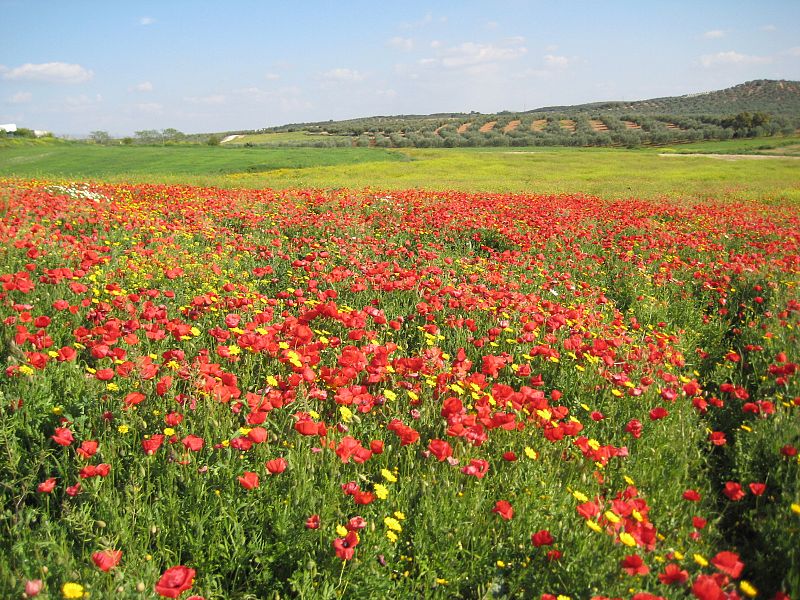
(598, 171)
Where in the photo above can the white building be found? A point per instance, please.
(8, 127)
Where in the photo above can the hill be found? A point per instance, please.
(780, 98)
(751, 109)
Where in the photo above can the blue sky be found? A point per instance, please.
(76, 66)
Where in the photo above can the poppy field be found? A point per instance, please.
(248, 393)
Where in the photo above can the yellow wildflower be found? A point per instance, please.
(698, 558)
(392, 524)
(72, 590)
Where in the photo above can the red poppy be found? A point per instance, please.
(87, 449)
(717, 438)
(504, 509)
(440, 449)
(789, 451)
(691, 496)
(345, 547)
(277, 465)
(63, 436)
(257, 435)
(363, 498)
(312, 522)
(634, 565)
(249, 480)
(133, 399)
(757, 488)
(477, 467)
(47, 486)
(107, 559)
(729, 563)
(673, 574)
(634, 427)
(175, 581)
(153, 443)
(33, 587)
(356, 523)
(554, 555)
(104, 374)
(705, 587)
(193, 443)
(733, 491)
(542, 538)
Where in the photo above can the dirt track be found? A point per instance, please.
(734, 156)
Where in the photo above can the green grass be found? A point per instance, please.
(783, 145)
(158, 163)
(607, 172)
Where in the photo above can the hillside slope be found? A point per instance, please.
(657, 121)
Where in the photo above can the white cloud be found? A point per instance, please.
(20, 98)
(714, 34)
(389, 94)
(401, 43)
(492, 24)
(344, 75)
(795, 51)
(271, 76)
(144, 86)
(470, 54)
(559, 62)
(53, 72)
(146, 21)
(732, 58)
(436, 44)
(768, 28)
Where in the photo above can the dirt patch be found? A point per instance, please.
(597, 125)
(631, 125)
(672, 126)
(487, 126)
(463, 127)
(734, 156)
(538, 124)
(229, 138)
(567, 124)
(512, 125)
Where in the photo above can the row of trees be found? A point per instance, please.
(628, 130)
(154, 137)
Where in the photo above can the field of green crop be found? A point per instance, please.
(616, 173)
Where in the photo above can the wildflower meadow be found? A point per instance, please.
(241, 394)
